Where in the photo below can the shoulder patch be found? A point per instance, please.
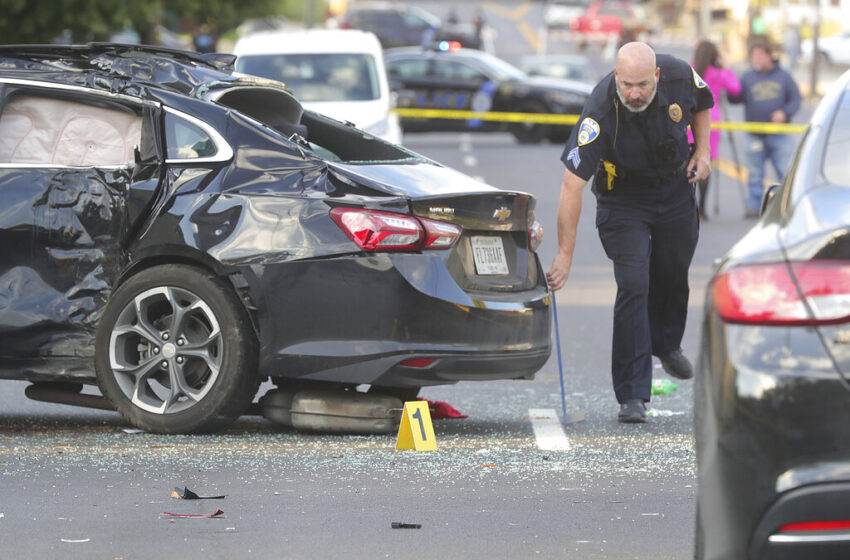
(588, 131)
(697, 80)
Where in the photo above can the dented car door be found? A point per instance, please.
(68, 162)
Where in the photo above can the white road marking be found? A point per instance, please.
(548, 430)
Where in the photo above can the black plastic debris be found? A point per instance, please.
(186, 494)
(399, 525)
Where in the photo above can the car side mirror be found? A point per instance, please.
(769, 194)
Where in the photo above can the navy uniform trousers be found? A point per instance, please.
(650, 234)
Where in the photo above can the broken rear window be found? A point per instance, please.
(329, 139)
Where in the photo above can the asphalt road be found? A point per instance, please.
(74, 485)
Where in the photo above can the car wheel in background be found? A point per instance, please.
(530, 132)
(176, 352)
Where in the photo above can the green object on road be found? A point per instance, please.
(663, 387)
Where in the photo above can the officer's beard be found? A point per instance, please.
(643, 104)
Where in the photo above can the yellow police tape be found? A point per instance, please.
(754, 127)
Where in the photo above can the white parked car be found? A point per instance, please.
(337, 72)
(560, 13)
(834, 49)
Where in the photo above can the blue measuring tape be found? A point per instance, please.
(560, 362)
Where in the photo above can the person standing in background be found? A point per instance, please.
(709, 65)
(791, 38)
(769, 95)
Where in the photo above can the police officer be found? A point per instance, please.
(633, 136)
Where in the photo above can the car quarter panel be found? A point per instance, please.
(773, 403)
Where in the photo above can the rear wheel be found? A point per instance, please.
(530, 132)
(176, 352)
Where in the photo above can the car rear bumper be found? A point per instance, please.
(767, 400)
(822, 501)
(355, 319)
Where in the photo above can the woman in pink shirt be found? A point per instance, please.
(709, 66)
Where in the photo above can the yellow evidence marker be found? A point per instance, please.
(415, 430)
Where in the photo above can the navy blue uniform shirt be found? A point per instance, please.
(638, 148)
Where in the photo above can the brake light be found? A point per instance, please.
(782, 293)
(418, 362)
(833, 525)
(374, 230)
(439, 235)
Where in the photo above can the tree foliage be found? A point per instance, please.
(42, 21)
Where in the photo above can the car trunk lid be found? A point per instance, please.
(493, 252)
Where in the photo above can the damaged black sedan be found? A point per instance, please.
(176, 234)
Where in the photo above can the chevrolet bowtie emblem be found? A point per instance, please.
(502, 213)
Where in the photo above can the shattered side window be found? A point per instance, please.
(185, 140)
(48, 131)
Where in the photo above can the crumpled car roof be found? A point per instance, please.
(121, 68)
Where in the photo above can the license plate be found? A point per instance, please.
(489, 255)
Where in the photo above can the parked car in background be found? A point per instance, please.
(606, 18)
(339, 73)
(559, 14)
(400, 25)
(472, 80)
(832, 49)
(176, 234)
(562, 66)
(772, 394)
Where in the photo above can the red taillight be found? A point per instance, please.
(419, 362)
(374, 230)
(833, 525)
(439, 235)
(767, 294)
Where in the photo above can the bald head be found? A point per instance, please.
(636, 75)
(636, 57)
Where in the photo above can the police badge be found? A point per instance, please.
(675, 112)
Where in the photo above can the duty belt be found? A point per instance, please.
(618, 177)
